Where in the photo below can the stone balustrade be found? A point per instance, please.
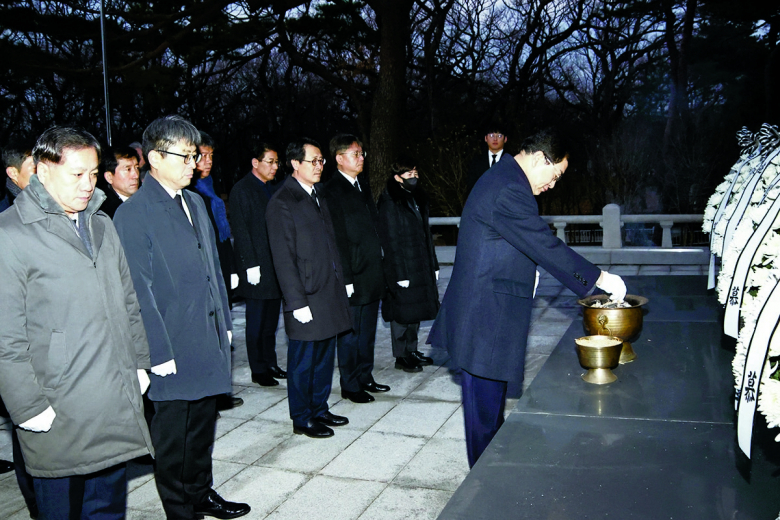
(612, 249)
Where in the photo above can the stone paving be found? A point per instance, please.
(400, 457)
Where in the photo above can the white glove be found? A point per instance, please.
(143, 380)
(253, 275)
(437, 276)
(613, 284)
(536, 284)
(404, 284)
(165, 369)
(41, 422)
(233, 281)
(350, 290)
(303, 315)
(230, 336)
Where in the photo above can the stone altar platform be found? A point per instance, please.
(657, 443)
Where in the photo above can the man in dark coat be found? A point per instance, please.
(410, 264)
(120, 176)
(495, 138)
(257, 278)
(73, 351)
(486, 311)
(316, 308)
(172, 253)
(356, 222)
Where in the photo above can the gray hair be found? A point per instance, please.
(168, 131)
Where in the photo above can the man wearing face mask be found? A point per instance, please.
(410, 265)
(486, 311)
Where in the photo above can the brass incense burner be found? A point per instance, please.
(599, 354)
(625, 323)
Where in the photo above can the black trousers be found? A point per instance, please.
(183, 435)
(404, 338)
(262, 318)
(356, 347)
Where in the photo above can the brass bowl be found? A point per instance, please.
(599, 354)
(625, 323)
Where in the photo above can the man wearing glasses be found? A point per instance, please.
(486, 312)
(356, 221)
(257, 278)
(316, 308)
(495, 138)
(172, 253)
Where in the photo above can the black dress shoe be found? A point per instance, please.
(421, 360)
(375, 387)
(264, 380)
(216, 506)
(329, 419)
(407, 364)
(227, 402)
(313, 429)
(6, 466)
(277, 373)
(361, 396)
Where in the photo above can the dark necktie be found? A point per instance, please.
(83, 233)
(494, 159)
(180, 203)
(357, 185)
(315, 199)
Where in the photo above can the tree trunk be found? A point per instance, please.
(389, 103)
(678, 61)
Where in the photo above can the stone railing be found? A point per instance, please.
(611, 250)
(610, 220)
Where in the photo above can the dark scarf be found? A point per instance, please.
(206, 188)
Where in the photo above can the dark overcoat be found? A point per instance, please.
(307, 263)
(71, 337)
(177, 277)
(486, 311)
(356, 224)
(409, 255)
(112, 201)
(248, 204)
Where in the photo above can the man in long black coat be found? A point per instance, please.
(355, 222)
(257, 278)
(486, 311)
(316, 308)
(172, 253)
(495, 139)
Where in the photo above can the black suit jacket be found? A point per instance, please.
(111, 203)
(307, 263)
(479, 164)
(356, 224)
(248, 205)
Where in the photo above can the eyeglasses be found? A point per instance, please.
(354, 154)
(269, 161)
(187, 158)
(316, 162)
(496, 136)
(549, 162)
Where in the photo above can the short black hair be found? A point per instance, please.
(495, 128)
(341, 142)
(15, 153)
(166, 132)
(259, 149)
(547, 141)
(401, 165)
(55, 140)
(207, 140)
(296, 150)
(114, 154)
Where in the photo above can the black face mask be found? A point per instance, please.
(410, 184)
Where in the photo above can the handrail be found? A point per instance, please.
(610, 220)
